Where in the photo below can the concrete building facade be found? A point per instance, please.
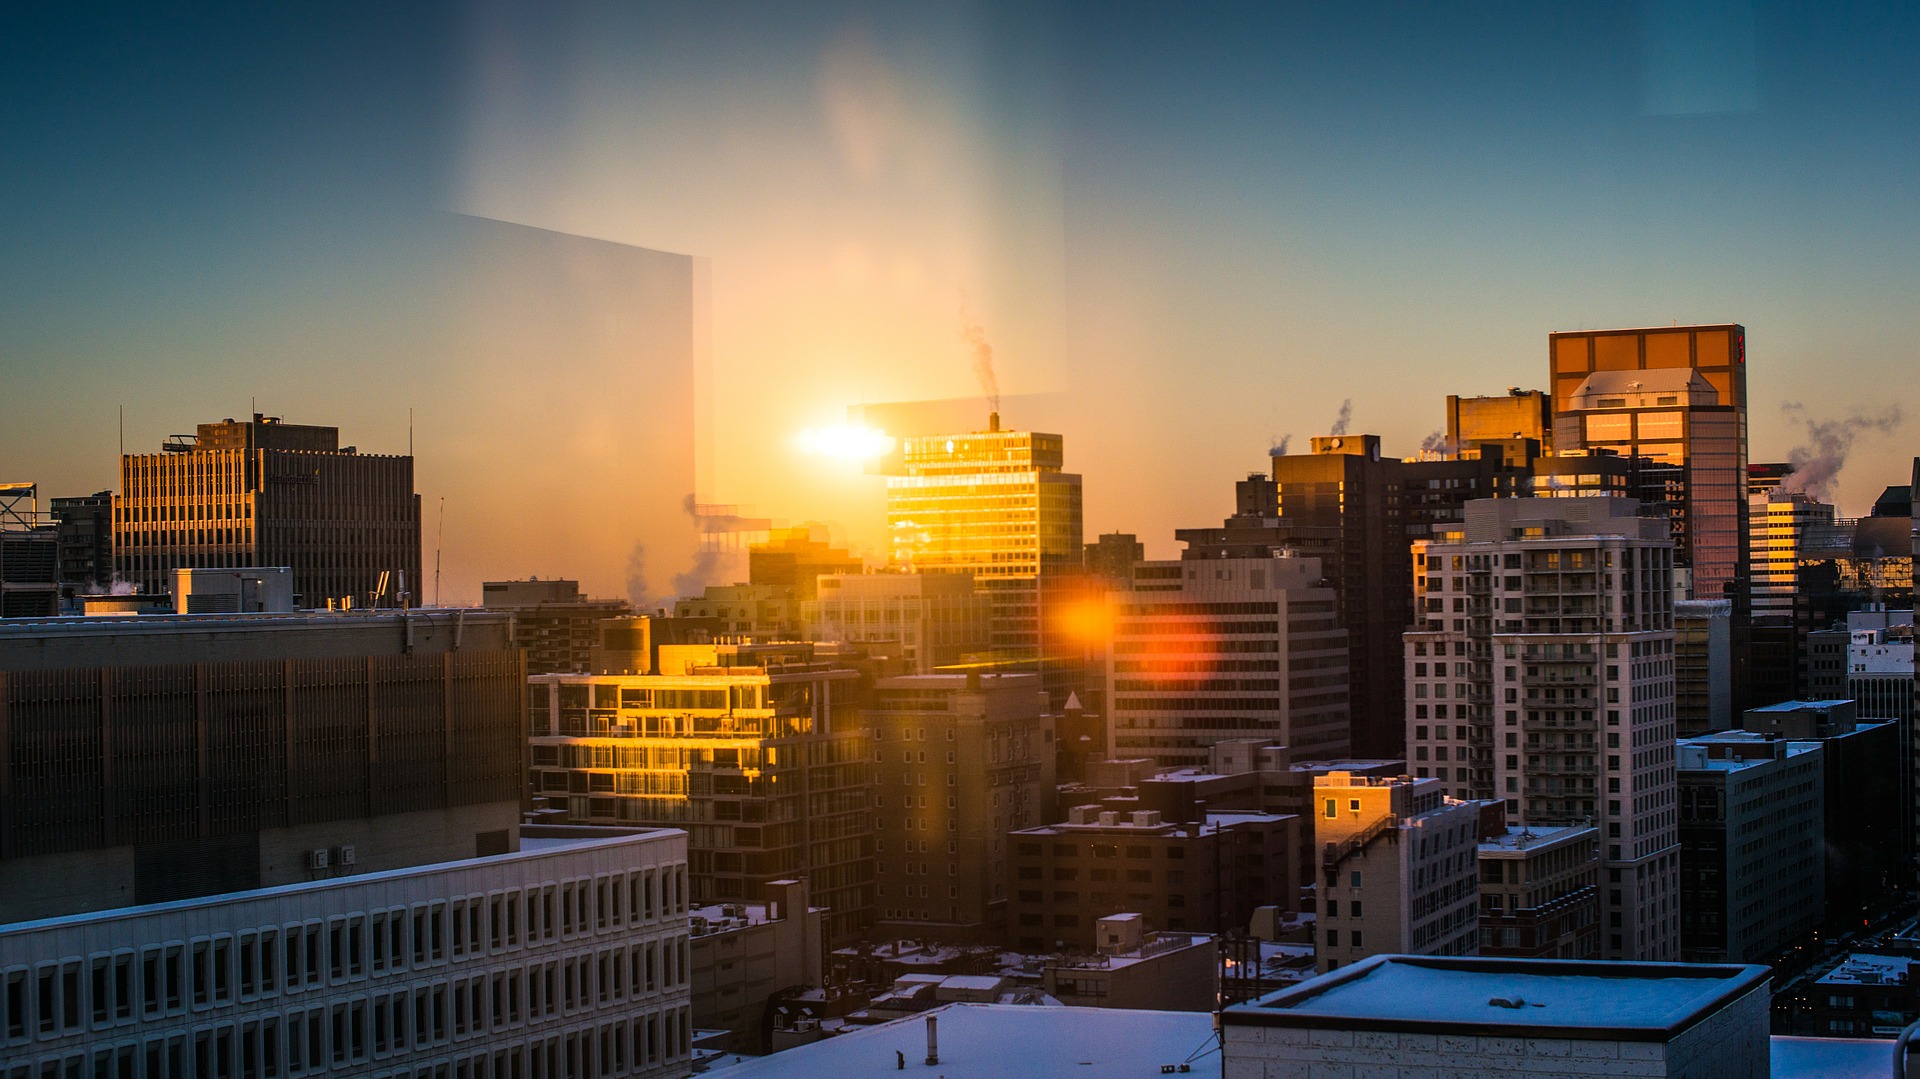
(1208, 649)
(563, 959)
(1398, 869)
(959, 762)
(1540, 892)
(1543, 676)
(553, 622)
(1752, 845)
(742, 956)
(925, 621)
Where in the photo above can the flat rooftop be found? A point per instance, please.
(1519, 839)
(1571, 999)
(991, 1041)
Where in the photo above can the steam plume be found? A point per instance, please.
(1437, 442)
(709, 560)
(637, 592)
(1278, 447)
(975, 337)
(1817, 461)
(1341, 421)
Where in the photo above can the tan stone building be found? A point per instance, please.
(744, 954)
(1540, 892)
(1397, 869)
(959, 761)
(922, 620)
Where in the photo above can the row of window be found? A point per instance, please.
(319, 1040)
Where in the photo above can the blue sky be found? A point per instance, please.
(1198, 230)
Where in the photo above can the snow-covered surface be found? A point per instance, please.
(1431, 994)
(1831, 1058)
(998, 1041)
(1862, 968)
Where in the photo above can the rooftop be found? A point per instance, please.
(1862, 968)
(992, 1041)
(1519, 839)
(1800, 706)
(1520, 998)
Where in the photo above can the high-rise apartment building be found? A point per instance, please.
(1752, 845)
(922, 620)
(1209, 649)
(1400, 870)
(998, 505)
(1542, 674)
(759, 751)
(261, 492)
(1676, 395)
(959, 761)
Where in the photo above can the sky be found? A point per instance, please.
(1186, 234)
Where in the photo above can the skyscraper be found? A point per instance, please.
(262, 492)
(1677, 395)
(997, 504)
(1542, 674)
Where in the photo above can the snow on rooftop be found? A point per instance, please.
(1862, 968)
(1008, 1041)
(1441, 992)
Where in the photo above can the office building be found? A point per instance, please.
(743, 956)
(1543, 676)
(760, 612)
(1204, 875)
(1408, 1016)
(1207, 649)
(1136, 969)
(1516, 414)
(1113, 556)
(567, 957)
(959, 761)
(920, 621)
(556, 625)
(1702, 666)
(1398, 871)
(759, 751)
(84, 524)
(155, 759)
(1752, 850)
(1880, 666)
(998, 505)
(1540, 892)
(263, 492)
(1867, 822)
(794, 558)
(1678, 396)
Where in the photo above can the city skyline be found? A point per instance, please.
(1227, 227)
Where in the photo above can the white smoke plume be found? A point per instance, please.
(975, 337)
(1345, 417)
(1817, 461)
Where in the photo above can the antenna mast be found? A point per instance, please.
(440, 534)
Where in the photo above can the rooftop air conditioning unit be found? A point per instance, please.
(317, 859)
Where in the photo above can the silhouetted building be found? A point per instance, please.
(85, 526)
(959, 761)
(794, 559)
(261, 492)
(1205, 875)
(158, 758)
(556, 625)
(1113, 556)
(1752, 845)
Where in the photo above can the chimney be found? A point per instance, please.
(993, 421)
(933, 1040)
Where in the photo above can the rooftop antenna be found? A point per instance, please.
(440, 534)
